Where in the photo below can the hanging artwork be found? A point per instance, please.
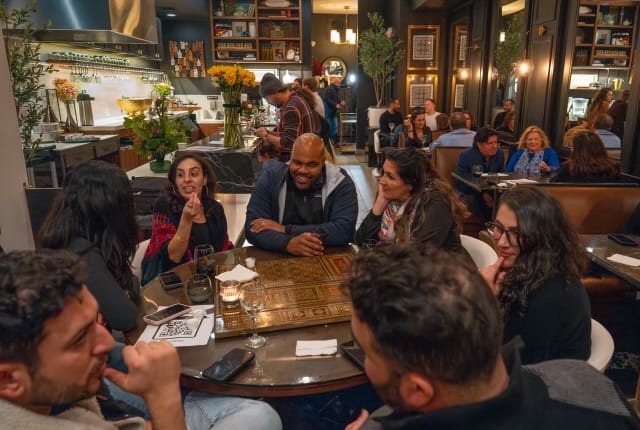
(187, 59)
(420, 88)
(423, 47)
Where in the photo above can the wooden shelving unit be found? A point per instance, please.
(256, 31)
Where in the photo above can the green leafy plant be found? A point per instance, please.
(380, 54)
(156, 133)
(509, 51)
(26, 70)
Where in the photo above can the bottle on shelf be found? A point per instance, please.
(297, 55)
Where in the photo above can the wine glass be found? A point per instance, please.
(253, 298)
(199, 289)
(205, 262)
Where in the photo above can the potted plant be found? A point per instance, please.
(26, 70)
(380, 53)
(157, 134)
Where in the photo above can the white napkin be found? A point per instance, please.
(494, 174)
(623, 259)
(238, 273)
(316, 347)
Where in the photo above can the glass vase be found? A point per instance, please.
(71, 125)
(232, 129)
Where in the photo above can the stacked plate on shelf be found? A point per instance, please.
(277, 3)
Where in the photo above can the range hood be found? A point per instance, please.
(95, 21)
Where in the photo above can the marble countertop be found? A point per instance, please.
(65, 146)
(116, 123)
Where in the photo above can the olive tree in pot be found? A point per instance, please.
(379, 53)
(26, 70)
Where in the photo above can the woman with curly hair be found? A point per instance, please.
(93, 216)
(413, 204)
(186, 216)
(537, 277)
(588, 162)
(534, 154)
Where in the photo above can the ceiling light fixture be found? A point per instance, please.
(350, 36)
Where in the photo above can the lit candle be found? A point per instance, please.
(229, 293)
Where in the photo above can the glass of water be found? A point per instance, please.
(199, 289)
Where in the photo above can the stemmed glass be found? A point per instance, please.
(253, 298)
(204, 258)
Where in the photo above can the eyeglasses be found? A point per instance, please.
(496, 230)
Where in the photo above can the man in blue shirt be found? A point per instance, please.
(601, 126)
(459, 135)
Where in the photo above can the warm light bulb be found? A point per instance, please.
(463, 73)
(350, 36)
(524, 67)
(503, 36)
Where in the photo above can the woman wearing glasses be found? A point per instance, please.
(413, 204)
(537, 277)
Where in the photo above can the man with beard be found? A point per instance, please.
(432, 341)
(53, 356)
(296, 115)
(304, 206)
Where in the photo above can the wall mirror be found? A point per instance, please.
(334, 66)
(509, 48)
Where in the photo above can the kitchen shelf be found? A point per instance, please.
(258, 27)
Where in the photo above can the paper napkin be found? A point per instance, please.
(238, 273)
(316, 347)
(623, 259)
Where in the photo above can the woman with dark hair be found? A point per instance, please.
(186, 216)
(413, 204)
(588, 162)
(537, 277)
(93, 216)
(599, 104)
(416, 133)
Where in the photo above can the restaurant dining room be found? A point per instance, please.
(320, 214)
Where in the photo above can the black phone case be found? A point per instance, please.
(621, 239)
(354, 352)
(229, 365)
(170, 281)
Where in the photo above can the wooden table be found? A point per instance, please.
(599, 247)
(305, 302)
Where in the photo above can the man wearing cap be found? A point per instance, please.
(296, 116)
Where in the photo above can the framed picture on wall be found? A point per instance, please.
(458, 96)
(423, 47)
(419, 88)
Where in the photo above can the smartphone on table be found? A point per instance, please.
(170, 281)
(622, 239)
(229, 365)
(167, 314)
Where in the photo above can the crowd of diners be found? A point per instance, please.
(445, 342)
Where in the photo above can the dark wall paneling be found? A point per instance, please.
(536, 97)
(544, 11)
(479, 97)
(320, 27)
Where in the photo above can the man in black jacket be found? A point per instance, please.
(432, 338)
(332, 104)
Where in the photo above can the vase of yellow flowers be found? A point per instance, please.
(231, 80)
(157, 134)
(67, 93)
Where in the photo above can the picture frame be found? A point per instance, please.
(239, 28)
(420, 87)
(424, 42)
(458, 96)
(460, 45)
(278, 48)
(603, 37)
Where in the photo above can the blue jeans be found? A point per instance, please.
(333, 124)
(204, 411)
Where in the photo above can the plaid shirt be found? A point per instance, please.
(296, 118)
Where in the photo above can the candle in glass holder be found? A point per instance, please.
(229, 291)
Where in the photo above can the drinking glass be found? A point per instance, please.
(476, 169)
(392, 125)
(253, 298)
(229, 294)
(199, 289)
(205, 262)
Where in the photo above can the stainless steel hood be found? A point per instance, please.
(97, 21)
